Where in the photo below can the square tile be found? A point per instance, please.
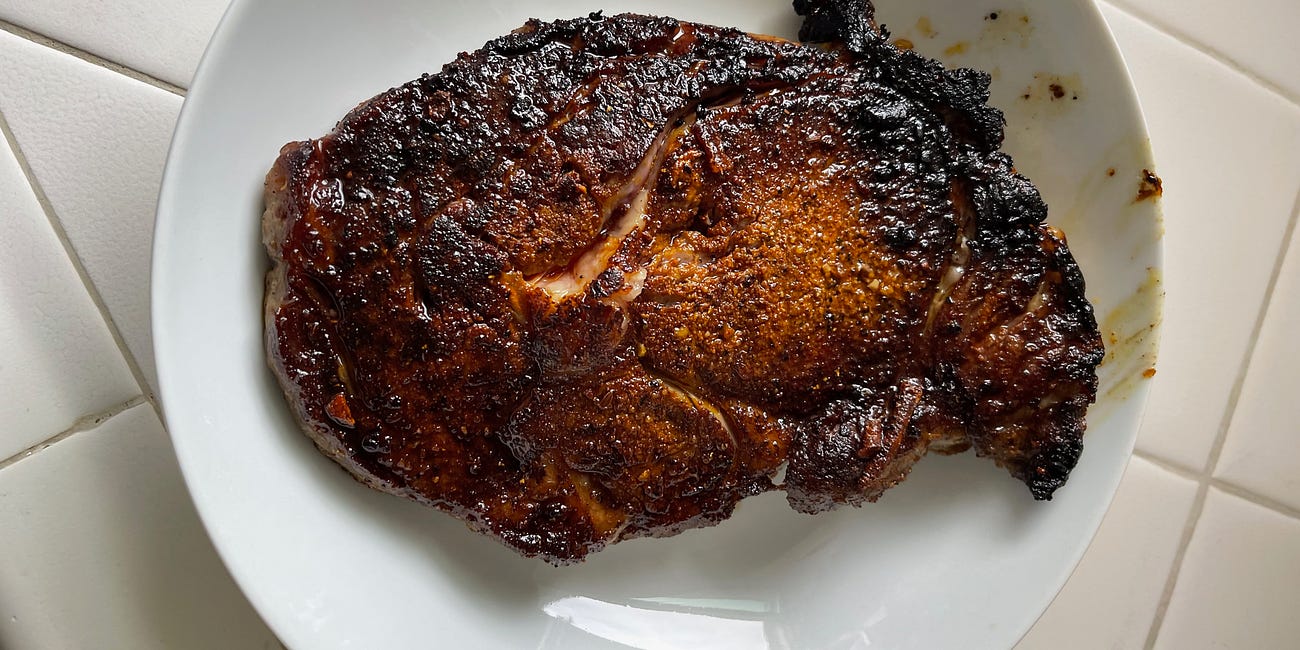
(1240, 580)
(1262, 452)
(58, 361)
(1111, 599)
(1258, 35)
(161, 38)
(96, 142)
(103, 549)
(1229, 154)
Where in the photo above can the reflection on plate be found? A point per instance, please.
(958, 556)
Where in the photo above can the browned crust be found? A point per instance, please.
(606, 277)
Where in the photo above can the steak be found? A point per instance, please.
(606, 277)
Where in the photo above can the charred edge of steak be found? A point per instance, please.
(961, 93)
(554, 388)
(282, 209)
(850, 23)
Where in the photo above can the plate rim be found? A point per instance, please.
(165, 215)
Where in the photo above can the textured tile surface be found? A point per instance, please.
(57, 358)
(1262, 452)
(161, 38)
(1122, 576)
(1258, 35)
(102, 549)
(1240, 581)
(96, 142)
(1229, 154)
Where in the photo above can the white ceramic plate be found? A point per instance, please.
(957, 557)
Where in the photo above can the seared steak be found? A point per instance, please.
(606, 277)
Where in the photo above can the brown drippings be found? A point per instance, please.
(1149, 373)
(1110, 172)
(1053, 94)
(1000, 29)
(1130, 339)
(925, 27)
(1003, 28)
(1150, 187)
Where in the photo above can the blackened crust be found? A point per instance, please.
(605, 277)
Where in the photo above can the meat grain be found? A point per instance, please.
(604, 278)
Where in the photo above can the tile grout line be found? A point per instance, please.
(1206, 479)
(1256, 499)
(84, 423)
(1120, 5)
(1245, 494)
(1184, 541)
(60, 46)
(1239, 382)
(71, 253)
(1179, 35)
(1168, 466)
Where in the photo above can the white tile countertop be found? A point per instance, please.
(100, 546)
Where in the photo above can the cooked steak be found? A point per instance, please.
(606, 277)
